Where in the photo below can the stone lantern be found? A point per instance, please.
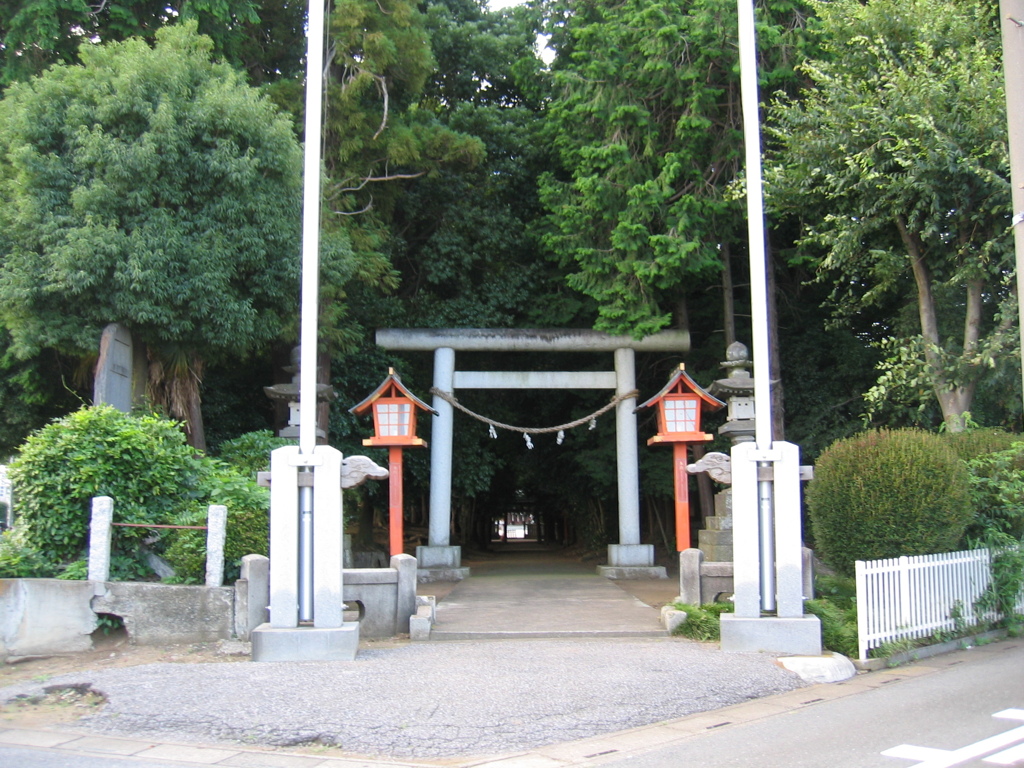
(289, 393)
(738, 391)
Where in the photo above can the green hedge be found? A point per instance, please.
(887, 493)
(997, 489)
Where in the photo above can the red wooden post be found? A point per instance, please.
(682, 488)
(395, 505)
(680, 404)
(394, 425)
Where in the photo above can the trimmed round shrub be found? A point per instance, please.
(887, 493)
(142, 462)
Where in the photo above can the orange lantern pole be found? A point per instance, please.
(680, 404)
(396, 524)
(682, 488)
(394, 426)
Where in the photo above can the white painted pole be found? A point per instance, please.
(755, 224)
(758, 289)
(309, 297)
(311, 229)
(1011, 17)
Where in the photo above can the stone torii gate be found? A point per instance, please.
(629, 558)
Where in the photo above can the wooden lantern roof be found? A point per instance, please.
(392, 386)
(682, 384)
(680, 405)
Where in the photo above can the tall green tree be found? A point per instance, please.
(263, 36)
(645, 117)
(151, 187)
(894, 160)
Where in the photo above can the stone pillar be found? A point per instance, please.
(627, 454)
(790, 631)
(441, 436)
(330, 638)
(405, 605)
(284, 538)
(629, 559)
(216, 528)
(99, 538)
(328, 541)
(438, 561)
(252, 595)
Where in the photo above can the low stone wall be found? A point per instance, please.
(41, 617)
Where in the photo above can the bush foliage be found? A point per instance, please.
(250, 453)
(142, 462)
(975, 443)
(887, 493)
(997, 491)
(247, 525)
(154, 477)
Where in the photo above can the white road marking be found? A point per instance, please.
(929, 757)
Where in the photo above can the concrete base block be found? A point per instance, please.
(634, 573)
(795, 636)
(631, 555)
(671, 618)
(170, 613)
(305, 643)
(439, 557)
(421, 623)
(430, 575)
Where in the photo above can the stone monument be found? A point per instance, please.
(121, 369)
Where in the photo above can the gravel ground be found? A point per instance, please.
(429, 700)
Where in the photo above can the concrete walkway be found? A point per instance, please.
(537, 593)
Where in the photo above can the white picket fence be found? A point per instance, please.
(913, 597)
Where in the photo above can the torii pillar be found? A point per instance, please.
(439, 560)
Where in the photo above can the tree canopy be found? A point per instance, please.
(151, 187)
(895, 161)
(263, 37)
(645, 117)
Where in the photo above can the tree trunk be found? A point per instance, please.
(175, 381)
(954, 401)
(728, 297)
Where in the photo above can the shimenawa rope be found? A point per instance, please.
(449, 398)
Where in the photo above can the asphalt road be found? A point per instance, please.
(936, 719)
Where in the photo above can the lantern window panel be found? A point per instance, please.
(681, 414)
(393, 418)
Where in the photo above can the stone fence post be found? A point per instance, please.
(216, 530)
(99, 538)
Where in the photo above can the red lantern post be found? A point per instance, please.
(394, 427)
(680, 405)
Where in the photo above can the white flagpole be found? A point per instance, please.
(311, 229)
